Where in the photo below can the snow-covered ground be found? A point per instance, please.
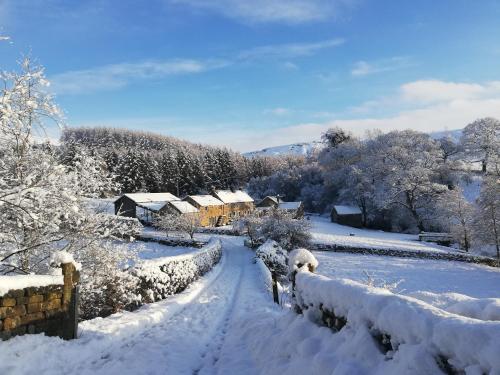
(151, 250)
(438, 276)
(325, 232)
(195, 332)
(226, 323)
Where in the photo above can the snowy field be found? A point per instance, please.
(151, 250)
(413, 275)
(325, 232)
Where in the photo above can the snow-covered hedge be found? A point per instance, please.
(274, 257)
(162, 277)
(400, 324)
(264, 275)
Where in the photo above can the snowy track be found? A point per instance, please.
(186, 334)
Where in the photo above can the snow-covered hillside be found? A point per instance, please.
(305, 149)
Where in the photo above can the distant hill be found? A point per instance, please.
(306, 148)
(454, 134)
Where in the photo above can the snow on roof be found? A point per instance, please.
(347, 210)
(151, 197)
(289, 205)
(206, 200)
(238, 196)
(184, 207)
(153, 206)
(274, 199)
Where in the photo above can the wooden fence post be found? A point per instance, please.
(70, 300)
(275, 288)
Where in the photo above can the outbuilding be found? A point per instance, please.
(347, 215)
(142, 205)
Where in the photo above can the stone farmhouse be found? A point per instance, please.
(216, 209)
(211, 210)
(236, 203)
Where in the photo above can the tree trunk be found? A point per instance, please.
(484, 165)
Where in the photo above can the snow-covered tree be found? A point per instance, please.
(459, 214)
(487, 220)
(481, 140)
(250, 225)
(335, 136)
(406, 164)
(43, 206)
(186, 223)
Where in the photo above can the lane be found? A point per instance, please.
(196, 332)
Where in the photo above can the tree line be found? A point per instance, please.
(148, 162)
(403, 181)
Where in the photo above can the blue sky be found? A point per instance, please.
(262, 73)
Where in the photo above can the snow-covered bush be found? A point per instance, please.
(299, 258)
(274, 257)
(107, 286)
(162, 277)
(287, 231)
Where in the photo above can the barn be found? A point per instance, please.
(236, 203)
(143, 206)
(347, 215)
(211, 209)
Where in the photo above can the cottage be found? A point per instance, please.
(347, 215)
(268, 201)
(143, 206)
(236, 203)
(295, 208)
(211, 209)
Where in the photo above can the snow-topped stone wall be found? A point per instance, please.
(401, 326)
(39, 304)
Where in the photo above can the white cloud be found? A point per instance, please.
(443, 109)
(429, 91)
(289, 50)
(116, 76)
(279, 111)
(3, 38)
(270, 11)
(364, 68)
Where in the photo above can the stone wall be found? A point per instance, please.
(49, 309)
(459, 257)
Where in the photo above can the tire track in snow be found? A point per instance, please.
(182, 344)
